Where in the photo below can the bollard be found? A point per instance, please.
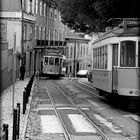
(18, 119)
(5, 129)
(24, 102)
(27, 92)
(14, 124)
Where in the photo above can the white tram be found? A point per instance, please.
(116, 63)
(52, 65)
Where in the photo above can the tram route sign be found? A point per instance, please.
(131, 22)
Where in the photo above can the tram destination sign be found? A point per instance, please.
(131, 22)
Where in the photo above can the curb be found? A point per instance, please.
(22, 137)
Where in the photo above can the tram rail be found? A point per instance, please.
(66, 133)
(101, 133)
(133, 108)
(89, 91)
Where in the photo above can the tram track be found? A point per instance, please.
(132, 109)
(66, 131)
(93, 92)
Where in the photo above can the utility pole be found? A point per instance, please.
(74, 61)
(14, 68)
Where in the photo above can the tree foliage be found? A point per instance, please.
(92, 15)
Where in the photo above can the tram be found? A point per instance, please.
(116, 64)
(52, 65)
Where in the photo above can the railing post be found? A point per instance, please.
(14, 124)
(27, 92)
(18, 119)
(5, 129)
(24, 101)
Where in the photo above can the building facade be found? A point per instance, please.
(28, 28)
(77, 52)
(17, 37)
(49, 31)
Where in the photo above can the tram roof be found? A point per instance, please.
(135, 31)
(52, 54)
(120, 32)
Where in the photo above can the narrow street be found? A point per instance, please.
(52, 116)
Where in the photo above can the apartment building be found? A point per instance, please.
(17, 38)
(28, 28)
(49, 30)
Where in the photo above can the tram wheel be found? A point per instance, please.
(101, 92)
(123, 103)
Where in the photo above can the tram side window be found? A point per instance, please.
(139, 54)
(56, 61)
(46, 61)
(128, 51)
(51, 60)
(100, 57)
(105, 56)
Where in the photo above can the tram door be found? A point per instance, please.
(115, 67)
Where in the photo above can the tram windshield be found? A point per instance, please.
(128, 53)
(51, 60)
(56, 61)
(46, 61)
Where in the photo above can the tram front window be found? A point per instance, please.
(56, 61)
(46, 61)
(128, 53)
(51, 61)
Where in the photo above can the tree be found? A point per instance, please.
(92, 15)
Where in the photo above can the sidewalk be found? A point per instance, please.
(6, 106)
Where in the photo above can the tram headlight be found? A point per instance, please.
(137, 92)
(131, 91)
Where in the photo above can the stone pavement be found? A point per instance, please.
(6, 102)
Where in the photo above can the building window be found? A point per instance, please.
(84, 51)
(41, 8)
(49, 33)
(3, 32)
(36, 6)
(50, 12)
(31, 34)
(30, 6)
(55, 14)
(81, 51)
(44, 9)
(33, 6)
(44, 32)
(55, 34)
(63, 35)
(87, 51)
(71, 51)
(40, 33)
(23, 4)
(25, 32)
(59, 16)
(60, 35)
